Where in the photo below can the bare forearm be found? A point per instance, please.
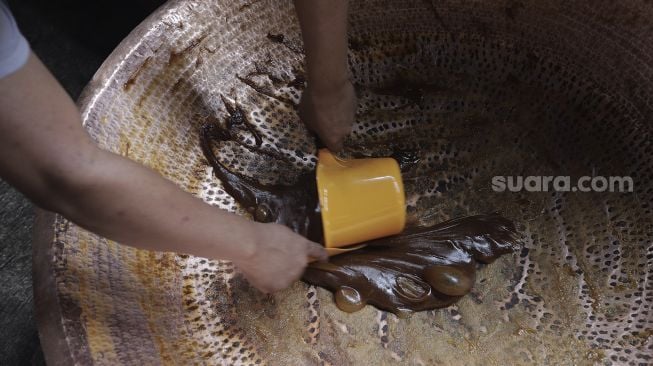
(324, 30)
(125, 201)
(45, 153)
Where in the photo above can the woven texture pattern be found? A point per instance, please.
(496, 88)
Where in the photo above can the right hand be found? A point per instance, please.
(329, 112)
(279, 259)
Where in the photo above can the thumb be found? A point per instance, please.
(317, 252)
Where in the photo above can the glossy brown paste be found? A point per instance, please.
(422, 268)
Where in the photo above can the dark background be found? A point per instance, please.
(72, 38)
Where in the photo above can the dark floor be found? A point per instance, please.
(72, 37)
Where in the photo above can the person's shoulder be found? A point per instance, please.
(14, 49)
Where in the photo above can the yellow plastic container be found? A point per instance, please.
(360, 200)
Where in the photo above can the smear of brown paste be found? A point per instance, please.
(422, 268)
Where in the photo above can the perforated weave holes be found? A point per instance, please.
(477, 89)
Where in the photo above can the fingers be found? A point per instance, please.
(334, 145)
(334, 138)
(317, 252)
(270, 285)
(330, 115)
(282, 283)
(337, 140)
(337, 147)
(264, 288)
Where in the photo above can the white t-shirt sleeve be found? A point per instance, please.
(14, 49)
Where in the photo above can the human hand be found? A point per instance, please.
(329, 113)
(279, 259)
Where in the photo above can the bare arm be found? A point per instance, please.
(46, 153)
(329, 103)
(324, 30)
